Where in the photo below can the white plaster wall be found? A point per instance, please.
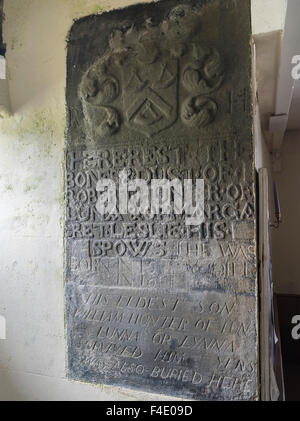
(268, 15)
(32, 358)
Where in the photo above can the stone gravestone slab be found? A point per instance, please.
(162, 91)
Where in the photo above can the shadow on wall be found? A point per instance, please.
(9, 391)
(267, 58)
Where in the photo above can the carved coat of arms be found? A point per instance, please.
(137, 83)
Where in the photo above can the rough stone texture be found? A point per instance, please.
(163, 90)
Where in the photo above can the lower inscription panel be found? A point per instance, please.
(199, 345)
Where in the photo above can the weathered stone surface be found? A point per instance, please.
(164, 91)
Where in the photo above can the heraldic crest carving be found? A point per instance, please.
(150, 77)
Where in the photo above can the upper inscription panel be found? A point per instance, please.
(162, 91)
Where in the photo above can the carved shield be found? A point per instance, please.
(150, 92)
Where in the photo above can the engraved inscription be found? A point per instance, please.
(161, 91)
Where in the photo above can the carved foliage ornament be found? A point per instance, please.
(137, 82)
